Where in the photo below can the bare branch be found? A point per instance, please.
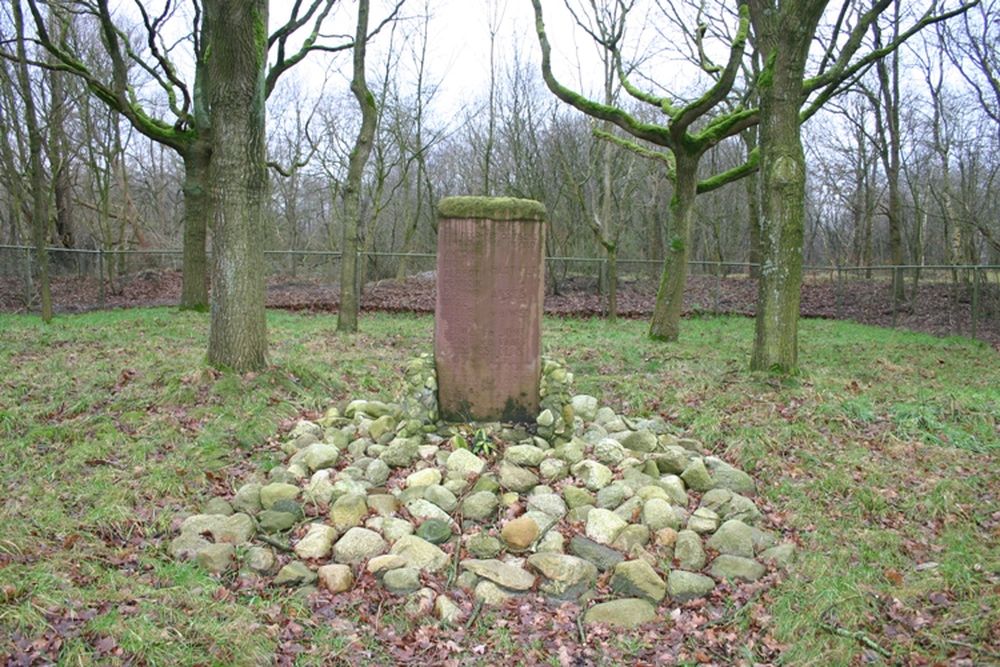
(651, 133)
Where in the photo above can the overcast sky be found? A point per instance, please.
(459, 44)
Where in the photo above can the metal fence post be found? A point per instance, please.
(100, 278)
(975, 302)
(28, 278)
(840, 292)
(895, 296)
(718, 288)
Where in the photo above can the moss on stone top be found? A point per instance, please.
(492, 208)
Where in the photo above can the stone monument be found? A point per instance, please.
(487, 324)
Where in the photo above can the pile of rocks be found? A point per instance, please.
(583, 499)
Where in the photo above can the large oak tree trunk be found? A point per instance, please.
(784, 34)
(237, 55)
(197, 213)
(670, 296)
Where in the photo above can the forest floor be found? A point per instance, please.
(939, 308)
(880, 460)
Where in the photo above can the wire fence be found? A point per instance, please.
(956, 299)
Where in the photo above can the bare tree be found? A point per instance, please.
(689, 131)
(39, 190)
(784, 31)
(347, 313)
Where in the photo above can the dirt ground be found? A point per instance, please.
(939, 308)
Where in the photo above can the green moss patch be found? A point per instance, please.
(491, 208)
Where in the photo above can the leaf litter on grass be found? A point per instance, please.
(929, 516)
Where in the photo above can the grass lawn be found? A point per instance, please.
(881, 458)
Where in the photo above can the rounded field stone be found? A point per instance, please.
(187, 545)
(276, 491)
(688, 550)
(235, 529)
(637, 578)
(441, 497)
(734, 538)
(500, 573)
(247, 498)
(358, 545)
(377, 471)
(382, 504)
(425, 477)
(348, 511)
(490, 594)
(336, 578)
(446, 610)
(384, 563)
(630, 537)
(683, 586)
(696, 476)
(584, 407)
(605, 558)
(703, 520)
(609, 451)
(288, 506)
(520, 533)
(218, 506)
(393, 528)
(729, 505)
(780, 555)
(658, 513)
(625, 613)
(611, 496)
(216, 558)
(420, 553)
(604, 525)
(577, 497)
(484, 546)
(295, 573)
(464, 463)
(553, 469)
(480, 505)
(261, 560)
(318, 456)
(595, 476)
(434, 531)
(640, 441)
(525, 455)
(422, 510)
(270, 521)
(564, 577)
(548, 503)
(316, 543)
(516, 478)
(735, 567)
(402, 580)
(725, 476)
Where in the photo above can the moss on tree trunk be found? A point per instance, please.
(197, 212)
(350, 288)
(783, 36)
(669, 306)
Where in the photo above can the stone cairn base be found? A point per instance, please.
(581, 501)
